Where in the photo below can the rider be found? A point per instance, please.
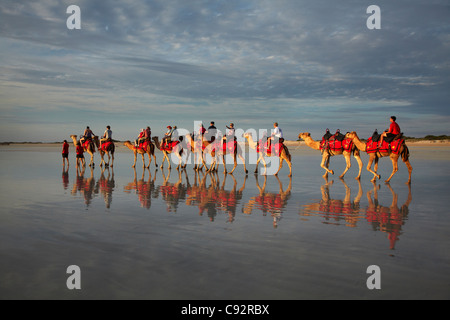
(394, 130)
(107, 136)
(140, 138)
(277, 134)
(168, 135)
(144, 135)
(87, 135)
(230, 133)
(211, 132)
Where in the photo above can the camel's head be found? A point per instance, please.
(304, 135)
(350, 135)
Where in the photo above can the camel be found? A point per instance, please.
(215, 149)
(150, 150)
(327, 154)
(373, 157)
(178, 150)
(284, 155)
(90, 149)
(194, 147)
(105, 149)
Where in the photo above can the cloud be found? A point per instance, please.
(252, 61)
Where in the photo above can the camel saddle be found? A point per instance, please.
(169, 145)
(106, 145)
(274, 149)
(335, 142)
(388, 145)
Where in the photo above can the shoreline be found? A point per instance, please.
(411, 142)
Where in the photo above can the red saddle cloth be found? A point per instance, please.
(274, 150)
(373, 146)
(144, 145)
(168, 146)
(229, 146)
(86, 144)
(106, 145)
(336, 145)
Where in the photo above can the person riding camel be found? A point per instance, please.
(277, 135)
(107, 136)
(211, 132)
(144, 135)
(87, 135)
(140, 138)
(168, 135)
(394, 130)
(230, 136)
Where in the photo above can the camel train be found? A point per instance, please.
(347, 145)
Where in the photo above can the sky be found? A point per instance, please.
(308, 65)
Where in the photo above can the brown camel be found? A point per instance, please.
(215, 149)
(327, 154)
(150, 151)
(177, 150)
(90, 149)
(106, 148)
(284, 155)
(197, 148)
(403, 152)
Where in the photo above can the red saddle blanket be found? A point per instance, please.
(273, 150)
(374, 146)
(144, 145)
(168, 146)
(336, 145)
(86, 144)
(106, 145)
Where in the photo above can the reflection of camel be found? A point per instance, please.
(172, 193)
(326, 154)
(106, 186)
(144, 189)
(271, 202)
(387, 219)
(177, 150)
(214, 198)
(84, 186)
(150, 151)
(336, 209)
(403, 152)
(216, 149)
(108, 148)
(90, 149)
(284, 155)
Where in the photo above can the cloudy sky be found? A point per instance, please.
(309, 65)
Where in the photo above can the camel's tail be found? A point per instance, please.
(287, 153)
(405, 153)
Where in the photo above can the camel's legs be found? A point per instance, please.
(324, 164)
(290, 167)
(369, 167)
(360, 164)
(348, 165)
(394, 159)
(408, 165)
(135, 156)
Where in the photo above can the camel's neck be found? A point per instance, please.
(129, 145)
(74, 139)
(312, 143)
(251, 143)
(359, 144)
(157, 143)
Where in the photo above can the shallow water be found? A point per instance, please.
(160, 234)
